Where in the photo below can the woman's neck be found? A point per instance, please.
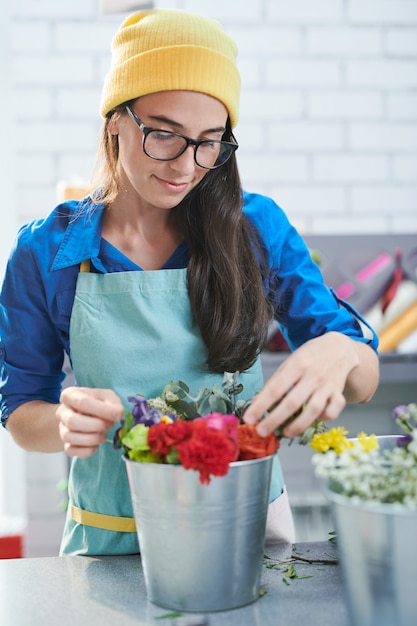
(147, 237)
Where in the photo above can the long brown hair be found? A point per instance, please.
(228, 261)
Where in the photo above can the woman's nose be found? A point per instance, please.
(185, 163)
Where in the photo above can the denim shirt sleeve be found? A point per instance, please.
(35, 306)
(306, 306)
(31, 350)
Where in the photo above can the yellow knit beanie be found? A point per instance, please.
(167, 49)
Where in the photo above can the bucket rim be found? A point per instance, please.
(168, 466)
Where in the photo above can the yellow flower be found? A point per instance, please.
(334, 439)
(166, 419)
(368, 442)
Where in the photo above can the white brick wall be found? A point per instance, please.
(328, 123)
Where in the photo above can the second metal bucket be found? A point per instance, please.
(201, 545)
(378, 555)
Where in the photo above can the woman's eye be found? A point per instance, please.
(163, 135)
(211, 145)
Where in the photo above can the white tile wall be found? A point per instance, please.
(328, 119)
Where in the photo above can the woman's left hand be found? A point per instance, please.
(321, 375)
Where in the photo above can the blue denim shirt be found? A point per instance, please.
(40, 280)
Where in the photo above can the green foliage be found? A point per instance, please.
(136, 445)
(177, 396)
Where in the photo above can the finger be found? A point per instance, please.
(77, 422)
(273, 392)
(102, 403)
(80, 439)
(321, 406)
(82, 436)
(81, 452)
(334, 407)
(316, 410)
(288, 407)
(80, 444)
(278, 399)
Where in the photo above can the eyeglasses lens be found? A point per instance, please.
(165, 145)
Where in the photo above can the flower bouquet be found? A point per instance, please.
(201, 533)
(371, 483)
(174, 429)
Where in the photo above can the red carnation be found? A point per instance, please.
(208, 451)
(227, 424)
(162, 437)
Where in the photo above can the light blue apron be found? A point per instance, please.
(131, 332)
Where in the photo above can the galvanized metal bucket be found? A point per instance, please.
(201, 545)
(378, 554)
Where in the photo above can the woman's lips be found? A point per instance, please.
(172, 186)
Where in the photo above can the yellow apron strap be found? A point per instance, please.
(105, 522)
(85, 266)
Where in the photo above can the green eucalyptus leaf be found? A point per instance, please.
(179, 388)
(219, 393)
(241, 406)
(185, 409)
(236, 390)
(201, 395)
(230, 378)
(217, 405)
(204, 406)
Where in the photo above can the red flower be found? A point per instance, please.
(252, 445)
(208, 445)
(208, 451)
(162, 437)
(227, 424)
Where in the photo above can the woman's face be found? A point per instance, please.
(164, 184)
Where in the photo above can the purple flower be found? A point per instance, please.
(404, 440)
(142, 412)
(401, 411)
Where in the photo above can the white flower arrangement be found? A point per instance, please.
(360, 469)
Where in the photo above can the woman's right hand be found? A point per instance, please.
(85, 415)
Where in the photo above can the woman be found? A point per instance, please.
(161, 275)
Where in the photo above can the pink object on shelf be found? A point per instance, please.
(374, 267)
(345, 290)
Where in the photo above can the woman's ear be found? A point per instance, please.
(113, 126)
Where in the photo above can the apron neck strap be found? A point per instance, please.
(85, 266)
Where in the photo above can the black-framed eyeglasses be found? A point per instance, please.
(165, 145)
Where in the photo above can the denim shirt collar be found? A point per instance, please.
(82, 237)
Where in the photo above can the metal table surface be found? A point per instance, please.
(111, 590)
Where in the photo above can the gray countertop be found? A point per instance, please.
(104, 590)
